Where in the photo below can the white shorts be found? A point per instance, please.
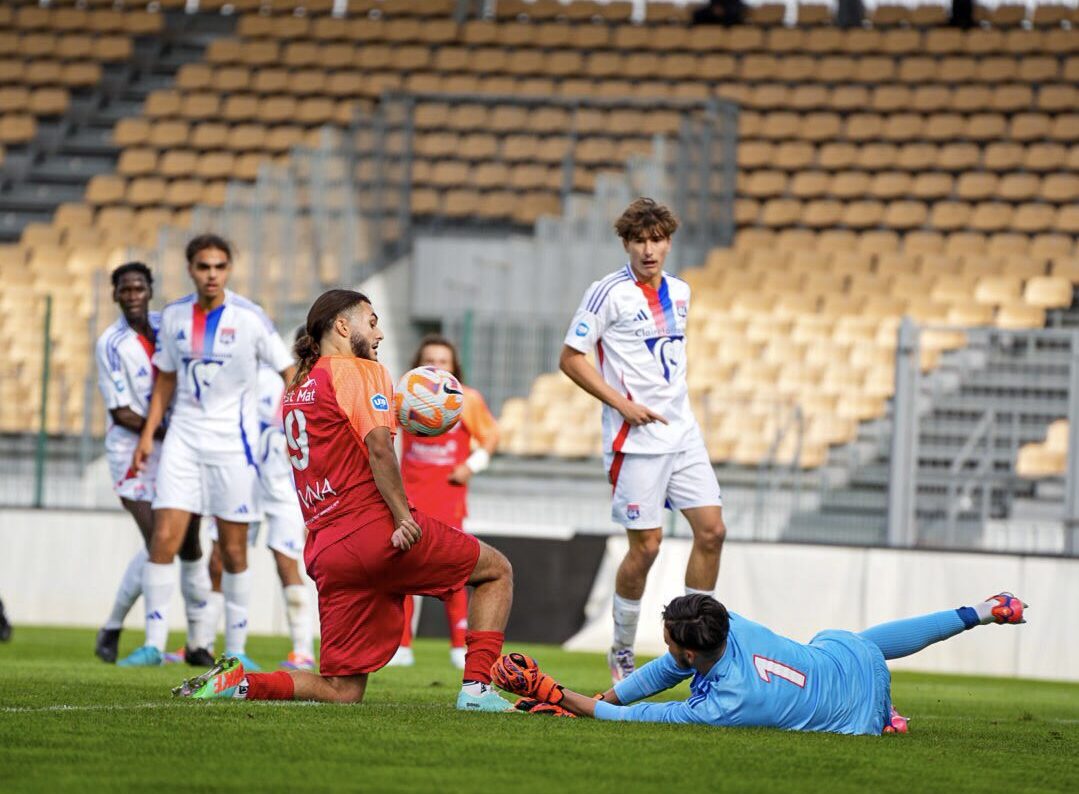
(285, 531)
(127, 485)
(645, 484)
(187, 481)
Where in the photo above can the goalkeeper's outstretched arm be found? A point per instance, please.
(657, 676)
(521, 675)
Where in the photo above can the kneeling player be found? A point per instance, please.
(746, 675)
(366, 548)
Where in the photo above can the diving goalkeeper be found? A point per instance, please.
(746, 675)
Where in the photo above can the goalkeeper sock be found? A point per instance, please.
(910, 635)
(626, 614)
(483, 648)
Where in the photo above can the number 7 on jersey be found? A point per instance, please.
(766, 668)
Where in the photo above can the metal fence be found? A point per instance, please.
(973, 453)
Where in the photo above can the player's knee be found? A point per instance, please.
(234, 556)
(501, 568)
(492, 566)
(347, 691)
(710, 538)
(647, 547)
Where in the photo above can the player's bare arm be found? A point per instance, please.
(129, 420)
(388, 480)
(577, 369)
(164, 388)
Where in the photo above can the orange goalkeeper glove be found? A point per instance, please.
(520, 675)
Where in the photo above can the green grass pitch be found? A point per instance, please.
(71, 723)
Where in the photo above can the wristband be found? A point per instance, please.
(478, 460)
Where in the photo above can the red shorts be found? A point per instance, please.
(362, 579)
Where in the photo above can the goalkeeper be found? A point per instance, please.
(746, 675)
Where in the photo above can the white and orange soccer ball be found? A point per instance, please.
(428, 401)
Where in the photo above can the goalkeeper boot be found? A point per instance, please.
(1006, 608)
(146, 656)
(107, 645)
(897, 723)
(622, 663)
(487, 700)
(223, 680)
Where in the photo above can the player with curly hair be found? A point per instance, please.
(743, 674)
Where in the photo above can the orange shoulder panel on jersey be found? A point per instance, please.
(477, 418)
(364, 393)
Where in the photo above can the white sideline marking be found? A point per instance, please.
(182, 703)
(137, 706)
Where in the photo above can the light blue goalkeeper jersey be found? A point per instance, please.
(839, 683)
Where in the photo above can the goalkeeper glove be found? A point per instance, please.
(520, 675)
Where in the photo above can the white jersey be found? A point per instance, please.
(275, 470)
(216, 356)
(125, 376)
(639, 336)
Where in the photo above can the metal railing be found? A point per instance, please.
(942, 468)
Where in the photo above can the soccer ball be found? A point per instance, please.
(428, 401)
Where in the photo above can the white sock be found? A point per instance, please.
(298, 612)
(157, 584)
(129, 590)
(692, 591)
(215, 608)
(195, 585)
(476, 688)
(626, 613)
(236, 588)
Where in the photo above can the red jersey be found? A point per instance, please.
(428, 461)
(327, 418)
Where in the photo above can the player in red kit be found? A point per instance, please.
(436, 471)
(366, 548)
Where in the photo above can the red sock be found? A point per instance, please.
(483, 649)
(457, 617)
(270, 686)
(406, 633)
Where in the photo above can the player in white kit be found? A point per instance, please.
(209, 347)
(283, 522)
(126, 377)
(635, 319)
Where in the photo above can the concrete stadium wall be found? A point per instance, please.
(798, 590)
(62, 568)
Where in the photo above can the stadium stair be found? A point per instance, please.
(1025, 385)
(69, 149)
